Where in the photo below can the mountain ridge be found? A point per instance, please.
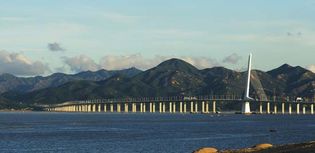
(173, 77)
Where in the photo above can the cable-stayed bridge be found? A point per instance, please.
(193, 104)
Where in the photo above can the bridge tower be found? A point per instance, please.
(247, 99)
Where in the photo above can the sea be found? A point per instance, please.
(51, 132)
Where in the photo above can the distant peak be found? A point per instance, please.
(285, 66)
(174, 62)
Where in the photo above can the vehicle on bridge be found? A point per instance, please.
(190, 98)
(299, 99)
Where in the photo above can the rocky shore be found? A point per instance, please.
(307, 147)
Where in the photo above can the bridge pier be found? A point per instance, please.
(275, 109)
(207, 106)
(126, 108)
(90, 108)
(144, 108)
(170, 107)
(283, 109)
(297, 108)
(180, 107)
(268, 107)
(141, 107)
(213, 107)
(185, 107)
(196, 107)
(191, 107)
(203, 107)
(260, 108)
(111, 107)
(246, 107)
(134, 107)
(150, 107)
(160, 107)
(174, 107)
(312, 108)
(304, 111)
(164, 107)
(93, 108)
(290, 108)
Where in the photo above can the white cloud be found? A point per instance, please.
(117, 62)
(311, 68)
(81, 63)
(232, 59)
(19, 64)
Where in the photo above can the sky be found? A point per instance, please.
(41, 37)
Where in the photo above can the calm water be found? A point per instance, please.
(146, 133)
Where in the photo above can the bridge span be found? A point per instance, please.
(205, 104)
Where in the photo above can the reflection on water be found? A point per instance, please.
(101, 132)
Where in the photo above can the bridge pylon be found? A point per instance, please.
(247, 99)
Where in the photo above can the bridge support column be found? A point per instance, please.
(185, 107)
(164, 107)
(275, 109)
(213, 107)
(246, 107)
(203, 107)
(153, 107)
(141, 107)
(134, 107)
(297, 108)
(312, 109)
(174, 107)
(105, 109)
(151, 110)
(170, 105)
(99, 107)
(89, 108)
(118, 108)
(180, 107)
(260, 108)
(304, 111)
(111, 108)
(160, 107)
(94, 107)
(191, 107)
(196, 107)
(290, 108)
(144, 108)
(268, 107)
(207, 107)
(126, 107)
(283, 109)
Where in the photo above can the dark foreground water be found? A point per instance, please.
(146, 133)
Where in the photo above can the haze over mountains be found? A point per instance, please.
(173, 77)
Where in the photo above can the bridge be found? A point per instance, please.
(200, 104)
(191, 104)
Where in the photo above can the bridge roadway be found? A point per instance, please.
(206, 104)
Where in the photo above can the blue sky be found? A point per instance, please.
(69, 36)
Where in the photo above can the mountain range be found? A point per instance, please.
(173, 77)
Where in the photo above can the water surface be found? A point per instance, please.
(146, 133)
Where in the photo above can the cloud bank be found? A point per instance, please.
(311, 68)
(232, 59)
(117, 62)
(19, 64)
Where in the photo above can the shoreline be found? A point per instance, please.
(304, 147)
